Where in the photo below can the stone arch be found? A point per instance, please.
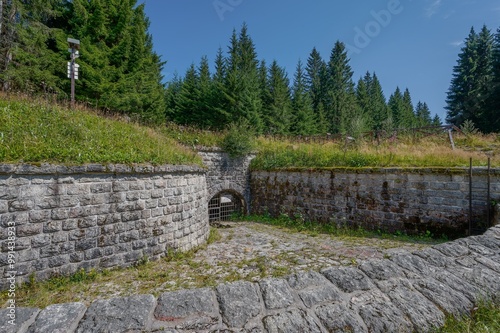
(224, 204)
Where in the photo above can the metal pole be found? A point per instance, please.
(72, 74)
(470, 197)
(489, 194)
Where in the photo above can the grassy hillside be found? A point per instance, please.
(35, 131)
(407, 151)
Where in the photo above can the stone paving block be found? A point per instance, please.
(194, 309)
(413, 263)
(447, 299)
(423, 313)
(492, 240)
(307, 279)
(348, 279)
(473, 244)
(58, 318)
(452, 249)
(337, 318)
(291, 321)
(491, 263)
(122, 314)
(381, 269)
(317, 295)
(469, 290)
(276, 293)
(23, 319)
(239, 302)
(379, 314)
(435, 258)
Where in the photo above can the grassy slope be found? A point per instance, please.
(35, 131)
(406, 152)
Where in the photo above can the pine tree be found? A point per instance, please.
(303, 120)
(379, 111)
(188, 98)
(279, 117)
(315, 69)
(493, 103)
(363, 98)
(396, 107)
(472, 81)
(30, 46)
(119, 69)
(407, 116)
(423, 115)
(340, 103)
(436, 121)
(241, 88)
(220, 115)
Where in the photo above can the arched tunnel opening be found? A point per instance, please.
(225, 205)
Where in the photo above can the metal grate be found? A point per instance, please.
(223, 206)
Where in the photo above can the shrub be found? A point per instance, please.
(239, 140)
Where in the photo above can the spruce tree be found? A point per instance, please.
(472, 81)
(30, 46)
(340, 105)
(493, 104)
(396, 107)
(363, 98)
(407, 116)
(279, 117)
(379, 111)
(303, 119)
(221, 117)
(314, 69)
(241, 88)
(423, 115)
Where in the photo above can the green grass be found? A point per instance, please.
(34, 131)
(407, 151)
(485, 318)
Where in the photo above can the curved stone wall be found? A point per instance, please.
(58, 219)
(409, 292)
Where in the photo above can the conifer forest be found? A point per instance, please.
(120, 72)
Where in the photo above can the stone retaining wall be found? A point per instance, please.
(409, 292)
(226, 173)
(95, 216)
(411, 200)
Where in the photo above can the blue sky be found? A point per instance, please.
(408, 43)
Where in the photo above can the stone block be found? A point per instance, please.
(239, 302)
(58, 318)
(126, 314)
(195, 309)
(422, 313)
(24, 317)
(276, 293)
(339, 318)
(291, 321)
(348, 279)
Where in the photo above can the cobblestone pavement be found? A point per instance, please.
(247, 242)
(241, 251)
(401, 292)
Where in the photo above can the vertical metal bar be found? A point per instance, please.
(488, 206)
(72, 72)
(470, 197)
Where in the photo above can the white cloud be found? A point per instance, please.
(456, 44)
(432, 8)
